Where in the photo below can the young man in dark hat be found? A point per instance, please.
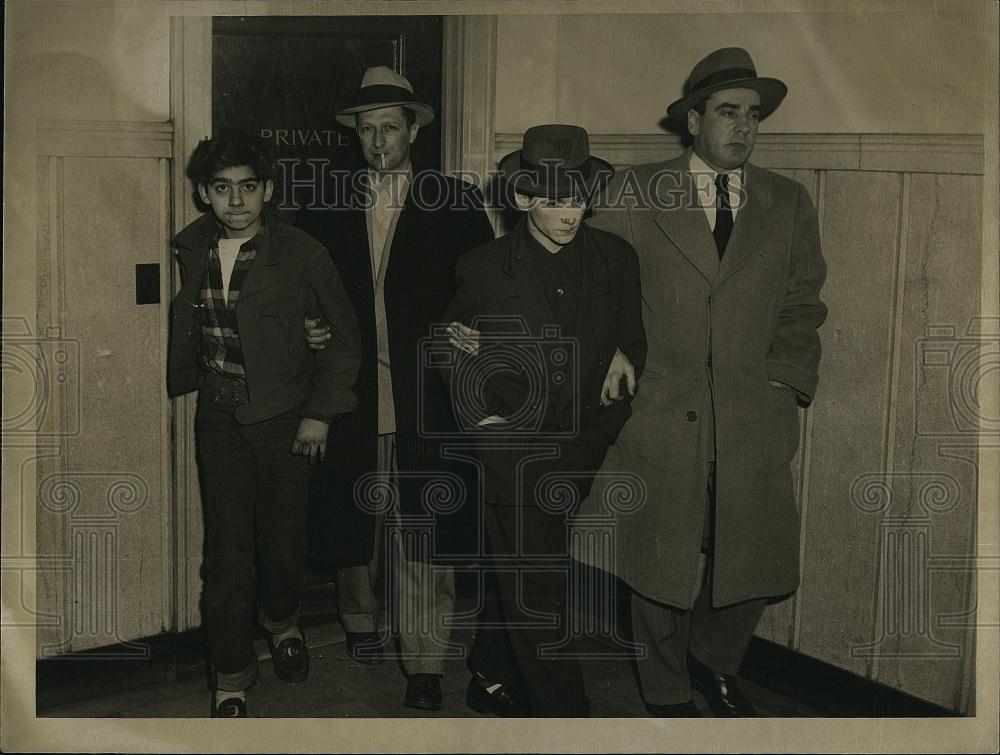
(554, 304)
(731, 271)
(395, 237)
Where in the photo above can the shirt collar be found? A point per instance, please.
(250, 243)
(704, 180)
(699, 166)
(566, 253)
(392, 187)
(404, 176)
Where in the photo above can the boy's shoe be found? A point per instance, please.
(231, 707)
(505, 701)
(291, 659)
(423, 691)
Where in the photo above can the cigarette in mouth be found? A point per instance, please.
(381, 159)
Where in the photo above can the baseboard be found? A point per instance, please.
(837, 692)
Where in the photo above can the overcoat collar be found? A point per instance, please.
(515, 263)
(408, 227)
(751, 223)
(682, 219)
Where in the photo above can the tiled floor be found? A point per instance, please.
(339, 687)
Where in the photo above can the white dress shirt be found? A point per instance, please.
(704, 181)
(229, 250)
(387, 193)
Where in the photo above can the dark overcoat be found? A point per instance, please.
(718, 333)
(550, 382)
(441, 219)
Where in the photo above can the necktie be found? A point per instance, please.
(723, 213)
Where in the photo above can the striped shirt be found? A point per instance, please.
(220, 334)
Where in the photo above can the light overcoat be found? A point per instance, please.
(718, 332)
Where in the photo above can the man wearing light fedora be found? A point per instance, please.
(556, 306)
(731, 271)
(395, 237)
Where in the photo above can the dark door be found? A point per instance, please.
(285, 78)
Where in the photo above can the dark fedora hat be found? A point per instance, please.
(383, 87)
(554, 162)
(728, 68)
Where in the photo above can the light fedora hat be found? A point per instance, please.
(554, 162)
(383, 87)
(728, 68)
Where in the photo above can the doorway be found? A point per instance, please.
(285, 78)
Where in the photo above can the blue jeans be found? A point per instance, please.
(254, 495)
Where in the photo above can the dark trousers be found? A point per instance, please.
(718, 637)
(254, 494)
(524, 635)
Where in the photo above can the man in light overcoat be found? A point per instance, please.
(731, 272)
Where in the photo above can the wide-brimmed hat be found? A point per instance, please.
(728, 68)
(554, 162)
(383, 87)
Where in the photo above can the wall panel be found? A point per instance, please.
(922, 640)
(859, 233)
(104, 513)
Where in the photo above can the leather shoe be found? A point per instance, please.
(231, 707)
(676, 710)
(506, 701)
(291, 659)
(720, 690)
(364, 647)
(423, 691)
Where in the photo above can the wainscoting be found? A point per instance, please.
(888, 468)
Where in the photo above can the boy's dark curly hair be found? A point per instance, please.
(229, 148)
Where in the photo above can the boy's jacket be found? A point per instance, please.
(292, 278)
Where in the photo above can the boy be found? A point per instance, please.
(265, 402)
(545, 408)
